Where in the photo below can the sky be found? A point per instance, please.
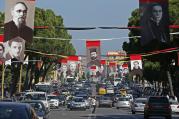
(92, 13)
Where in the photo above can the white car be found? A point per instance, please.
(138, 105)
(53, 101)
(77, 103)
(123, 102)
(42, 96)
(174, 106)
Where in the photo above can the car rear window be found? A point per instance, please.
(158, 100)
(123, 99)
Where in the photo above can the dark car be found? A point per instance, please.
(14, 110)
(39, 108)
(157, 106)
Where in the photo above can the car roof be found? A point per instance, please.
(35, 92)
(140, 98)
(14, 104)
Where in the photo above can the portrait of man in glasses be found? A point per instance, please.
(17, 26)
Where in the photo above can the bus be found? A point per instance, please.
(44, 87)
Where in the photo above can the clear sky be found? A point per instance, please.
(92, 13)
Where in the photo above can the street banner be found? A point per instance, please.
(112, 69)
(103, 68)
(19, 19)
(13, 49)
(154, 21)
(93, 54)
(136, 65)
(72, 63)
(62, 70)
(125, 69)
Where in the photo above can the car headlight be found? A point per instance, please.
(83, 104)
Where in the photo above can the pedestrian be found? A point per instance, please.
(93, 103)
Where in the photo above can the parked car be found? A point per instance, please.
(138, 105)
(77, 103)
(157, 106)
(39, 108)
(14, 110)
(123, 102)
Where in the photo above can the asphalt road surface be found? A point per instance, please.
(101, 113)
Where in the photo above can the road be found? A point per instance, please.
(101, 113)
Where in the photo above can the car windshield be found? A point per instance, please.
(173, 102)
(35, 96)
(13, 113)
(123, 99)
(52, 97)
(78, 100)
(162, 100)
(141, 101)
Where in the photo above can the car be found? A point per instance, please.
(174, 106)
(42, 96)
(39, 108)
(105, 101)
(157, 106)
(53, 101)
(138, 105)
(123, 102)
(16, 110)
(77, 103)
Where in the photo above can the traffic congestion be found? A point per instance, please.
(49, 70)
(52, 100)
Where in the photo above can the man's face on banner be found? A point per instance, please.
(72, 67)
(19, 13)
(93, 55)
(16, 48)
(1, 50)
(157, 13)
(64, 68)
(136, 65)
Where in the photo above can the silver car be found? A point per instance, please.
(123, 102)
(138, 105)
(78, 103)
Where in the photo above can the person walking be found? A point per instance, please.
(93, 103)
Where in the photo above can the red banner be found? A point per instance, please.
(92, 43)
(135, 57)
(73, 58)
(103, 62)
(151, 1)
(64, 60)
(125, 66)
(112, 64)
(1, 37)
